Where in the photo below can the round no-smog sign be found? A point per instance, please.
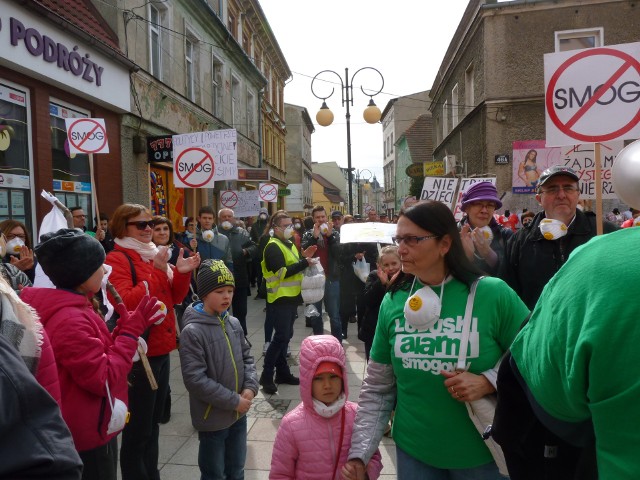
(593, 95)
(194, 168)
(87, 135)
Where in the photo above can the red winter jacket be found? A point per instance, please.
(86, 356)
(47, 372)
(162, 338)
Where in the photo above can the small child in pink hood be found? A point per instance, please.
(313, 440)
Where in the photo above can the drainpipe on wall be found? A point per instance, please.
(260, 98)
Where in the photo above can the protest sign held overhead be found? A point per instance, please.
(202, 158)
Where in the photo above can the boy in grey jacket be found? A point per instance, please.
(219, 374)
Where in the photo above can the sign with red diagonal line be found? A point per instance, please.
(202, 158)
(268, 192)
(229, 198)
(592, 95)
(87, 135)
(194, 168)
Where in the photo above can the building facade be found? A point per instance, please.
(489, 91)
(299, 201)
(326, 194)
(59, 60)
(415, 145)
(398, 115)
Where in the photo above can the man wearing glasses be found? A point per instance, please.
(536, 253)
(80, 222)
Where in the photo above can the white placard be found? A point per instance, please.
(591, 95)
(202, 158)
(87, 135)
(441, 189)
(375, 232)
(243, 204)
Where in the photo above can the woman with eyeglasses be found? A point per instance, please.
(19, 252)
(415, 351)
(483, 238)
(139, 267)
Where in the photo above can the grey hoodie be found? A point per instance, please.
(216, 367)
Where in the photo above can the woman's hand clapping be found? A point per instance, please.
(188, 264)
(25, 260)
(161, 260)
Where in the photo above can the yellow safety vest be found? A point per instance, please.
(277, 285)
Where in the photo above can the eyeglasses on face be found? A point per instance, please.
(79, 216)
(143, 224)
(555, 189)
(411, 240)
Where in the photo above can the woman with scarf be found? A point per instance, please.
(19, 251)
(141, 268)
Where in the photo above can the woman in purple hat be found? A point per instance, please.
(483, 238)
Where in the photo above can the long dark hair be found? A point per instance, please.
(435, 217)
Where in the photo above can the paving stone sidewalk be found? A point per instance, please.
(179, 440)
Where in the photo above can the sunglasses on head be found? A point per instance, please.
(143, 224)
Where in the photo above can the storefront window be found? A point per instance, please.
(15, 173)
(71, 173)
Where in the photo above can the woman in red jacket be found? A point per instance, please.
(140, 268)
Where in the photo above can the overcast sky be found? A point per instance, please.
(405, 40)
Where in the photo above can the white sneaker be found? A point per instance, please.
(265, 347)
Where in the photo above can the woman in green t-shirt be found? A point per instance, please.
(416, 348)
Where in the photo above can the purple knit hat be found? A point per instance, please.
(478, 192)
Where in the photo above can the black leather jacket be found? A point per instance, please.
(531, 261)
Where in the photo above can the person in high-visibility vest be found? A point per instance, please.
(282, 269)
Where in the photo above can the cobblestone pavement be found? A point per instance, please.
(179, 440)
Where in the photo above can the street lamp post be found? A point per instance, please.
(371, 114)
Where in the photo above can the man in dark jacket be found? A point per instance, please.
(256, 231)
(327, 239)
(242, 250)
(536, 253)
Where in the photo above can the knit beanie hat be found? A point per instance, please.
(69, 257)
(211, 275)
(478, 192)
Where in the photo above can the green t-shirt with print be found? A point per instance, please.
(429, 424)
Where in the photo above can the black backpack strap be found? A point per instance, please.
(134, 277)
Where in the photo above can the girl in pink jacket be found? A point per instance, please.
(313, 440)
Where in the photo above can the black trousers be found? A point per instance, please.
(283, 315)
(139, 450)
(239, 306)
(101, 463)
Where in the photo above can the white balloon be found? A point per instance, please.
(625, 175)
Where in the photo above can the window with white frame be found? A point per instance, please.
(216, 86)
(155, 41)
(445, 119)
(454, 106)
(189, 70)
(578, 39)
(236, 112)
(251, 115)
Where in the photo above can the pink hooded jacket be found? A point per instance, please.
(306, 443)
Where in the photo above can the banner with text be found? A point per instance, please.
(531, 158)
(202, 158)
(243, 203)
(441, 189)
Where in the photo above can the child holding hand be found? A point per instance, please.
(219, 374)
(313, 440)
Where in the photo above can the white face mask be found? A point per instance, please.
(487, 233)
(262, 216)
(160, 315)
(324, 229)
(226, 225)
(552, 229)
(422, 309)
(297, 226)
(119, 414)
(207, 235)
(271, 232)
(288, 232)
(13, 246)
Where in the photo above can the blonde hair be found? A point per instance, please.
(388, 250)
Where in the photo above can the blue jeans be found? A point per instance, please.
(332, 303)
(409, 468)
(222, 453)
